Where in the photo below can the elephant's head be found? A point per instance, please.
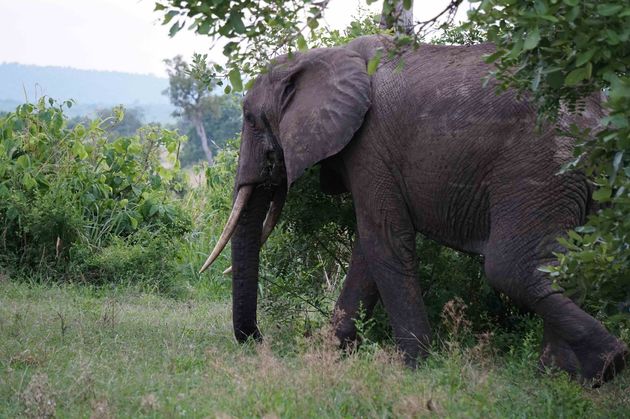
(304, 109)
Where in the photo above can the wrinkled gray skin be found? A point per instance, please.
(427, 149)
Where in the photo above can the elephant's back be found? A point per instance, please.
(456, 141)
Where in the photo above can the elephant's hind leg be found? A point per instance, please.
(577, 341)
(358, 297)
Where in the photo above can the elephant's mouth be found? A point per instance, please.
(274, 170)
(240, 204)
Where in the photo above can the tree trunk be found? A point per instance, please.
(399, 19)
(201, 133)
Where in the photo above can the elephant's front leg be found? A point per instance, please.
(359, 294)
(387, 240)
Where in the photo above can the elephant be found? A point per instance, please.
(425, 148)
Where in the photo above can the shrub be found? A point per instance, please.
(68, 193)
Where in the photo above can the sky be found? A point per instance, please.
(123, 35)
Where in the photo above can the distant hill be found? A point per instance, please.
(90, 89)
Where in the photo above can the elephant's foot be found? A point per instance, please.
(557, 354)
(243, 334)
(345, 331)
(601, 365)
(413, 354)
(600, 355)
(583, 363)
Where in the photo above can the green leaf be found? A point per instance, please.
(494, 56)
(586, 256)
(301, 43)
(541, 7)
(23, 161)
(585, 229)
(407, 4)
(204, 28)
(237, 23)
(532, 40)
(571, 2)
(602, 194)
(374, 62)
(517, 47)
(617, 160)
(229, 48)
(174, 29)
(609, 9)
(235, 79)
(584, 57)
(576, 76)
(169, 16)
(550, 18)
(28, 181)
(312, 23)
(613, 37)
(589, 70)
(78, 150)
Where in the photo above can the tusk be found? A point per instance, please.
(273, 215)
(271, 219)
(239, 204)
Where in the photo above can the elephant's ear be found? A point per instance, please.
(323, 101)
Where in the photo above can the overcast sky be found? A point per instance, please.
(121, 35)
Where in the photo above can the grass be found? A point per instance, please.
(73, 351)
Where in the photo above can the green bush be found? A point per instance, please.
(68, 195)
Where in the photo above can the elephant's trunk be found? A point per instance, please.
(279, 198)
(246, 243)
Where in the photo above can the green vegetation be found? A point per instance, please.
(102, 311)
(76, 205)
(78, 351)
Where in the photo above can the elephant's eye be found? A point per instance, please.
(249, 118)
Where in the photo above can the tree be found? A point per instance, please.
(397, 15)
(257, 31)
(213, 118)
(190, 97)
(221, 120)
